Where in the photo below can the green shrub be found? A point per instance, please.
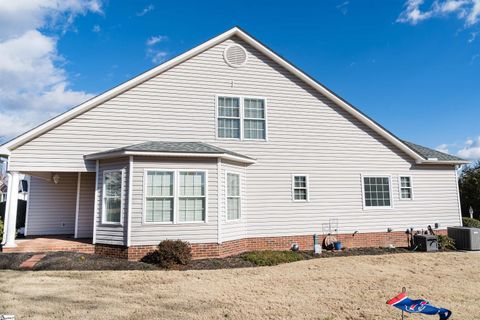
(445, 242)
(272, 258)
(1, 229)
(469, 222)
(169, 254)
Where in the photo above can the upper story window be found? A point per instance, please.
(406, 188)
(300, 187)
(254, 119)
(377, 191)
(229, 117)
(112, 196)
(241, 118)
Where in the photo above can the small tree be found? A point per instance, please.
(469, 185)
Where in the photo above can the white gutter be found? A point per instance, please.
(450, 162)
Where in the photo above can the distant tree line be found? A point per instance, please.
(469, 186)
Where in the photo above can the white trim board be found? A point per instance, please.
(235, 31)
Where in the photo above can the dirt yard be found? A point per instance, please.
(335, 288)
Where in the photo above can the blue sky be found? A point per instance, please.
(412, 65)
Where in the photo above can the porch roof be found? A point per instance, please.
(171, 149)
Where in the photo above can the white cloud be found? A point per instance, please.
(466, 10)
(153, 40)
(156, 55)
(34, 85)
(343, 7)
(471, 150)
(442, 148)
(146, 10)
(96, 28)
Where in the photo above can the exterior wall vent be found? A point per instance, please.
(235, 55)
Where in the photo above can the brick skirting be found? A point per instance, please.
(229, 248)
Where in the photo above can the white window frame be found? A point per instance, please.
(145, 195)
(176, 199)
(376, 175)
(307, 188)
(240, 177)
(400, 188)
(242, 116)
(122, 191)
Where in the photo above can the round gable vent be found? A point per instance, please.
(235, 55)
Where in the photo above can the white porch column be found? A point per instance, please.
(10, 228)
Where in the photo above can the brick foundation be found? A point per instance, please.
(229, 248)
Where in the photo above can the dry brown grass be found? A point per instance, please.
(335, 288)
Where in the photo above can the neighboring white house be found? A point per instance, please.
(231, 148)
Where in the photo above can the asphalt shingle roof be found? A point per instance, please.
(431, 153)
(174, 147)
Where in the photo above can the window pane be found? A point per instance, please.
(405, 181)
(159, 184)
(159, 210)
(191, 209)
(113, 183)
(228, 128)
(228, 107)
(112, 209)
(233, 185)
(233, 208)
(376, 191)
(192, 184)
(300, 182)
(254, 108)
(254, 129)
(406, 193)
(300, 194)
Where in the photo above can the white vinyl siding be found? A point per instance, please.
(86, 205)
(159, 201)
(377, 191)
(112, 196)
(406, 192)
(234, 200)
(300, 187)
(332, 146)
(52, 206)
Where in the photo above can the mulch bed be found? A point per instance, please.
(79, 261)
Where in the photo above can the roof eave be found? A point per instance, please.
(443, 162)
(117, 154)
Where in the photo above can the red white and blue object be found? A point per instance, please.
(404, 303)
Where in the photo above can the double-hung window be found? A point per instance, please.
(192, 196)
(160, 199)
(112, 196)
(241, 118)
(229, 117)
(300, 187)
(377, 191)
(234, 205)
(254, 119)
(406, 188)
(175, 196)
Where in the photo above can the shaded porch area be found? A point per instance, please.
(52, 243)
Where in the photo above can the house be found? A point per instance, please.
(231, 148)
